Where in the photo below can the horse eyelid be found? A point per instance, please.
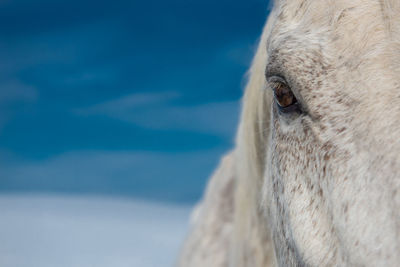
(271, 73)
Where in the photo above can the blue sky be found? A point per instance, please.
(132, 98)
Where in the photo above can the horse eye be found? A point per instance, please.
(284, 97)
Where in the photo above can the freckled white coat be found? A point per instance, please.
(320, 188)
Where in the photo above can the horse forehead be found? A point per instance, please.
(350, 26)
(328, 10)
(384, 4)
(339, 40)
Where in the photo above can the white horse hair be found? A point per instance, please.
(315, 176)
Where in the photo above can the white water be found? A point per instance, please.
(54, 231)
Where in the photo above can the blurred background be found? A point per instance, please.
(113, 115)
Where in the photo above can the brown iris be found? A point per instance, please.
(283, 95)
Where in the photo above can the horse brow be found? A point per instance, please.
(274, 66)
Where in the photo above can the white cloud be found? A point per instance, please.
(213, 118)
(49, 231)
(158, 111)
(101, 164)
(238, 53)
(13, 91)
(129, 103)
(175, 176)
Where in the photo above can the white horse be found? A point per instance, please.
(314, 179)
